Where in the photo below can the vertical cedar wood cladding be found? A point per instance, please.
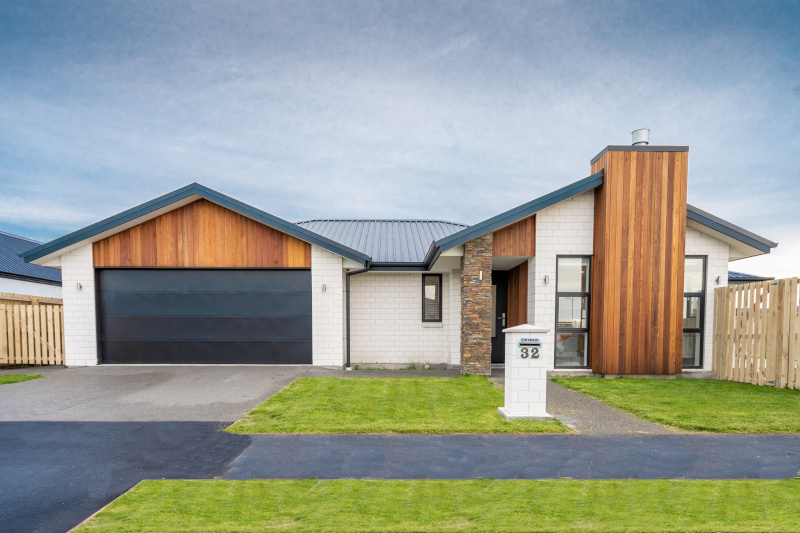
(637, 268)
(517, 239)
(518, 295)
(476, 307)
(202, 234)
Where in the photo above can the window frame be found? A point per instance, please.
(586, 330)
(439, 278)
(702, 317)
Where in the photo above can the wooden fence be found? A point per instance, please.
(31, 334)
(757, 333)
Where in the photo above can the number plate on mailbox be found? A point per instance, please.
(529, 348)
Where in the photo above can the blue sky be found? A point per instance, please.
(445, 110)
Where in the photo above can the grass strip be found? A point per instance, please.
(485, 505)
(5, 379)
(698, 404)
(466, 404)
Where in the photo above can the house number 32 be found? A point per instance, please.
(531, 352)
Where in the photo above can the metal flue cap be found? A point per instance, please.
(640, 137)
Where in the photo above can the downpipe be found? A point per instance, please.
(347, 295)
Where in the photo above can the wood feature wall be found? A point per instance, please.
(518, 295)
(202, 234)
(637, 277)
(518, 239)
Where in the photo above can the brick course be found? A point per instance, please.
(476, 307)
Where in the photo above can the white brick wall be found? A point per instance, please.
(386, 325)
(716, 252)
(566, 228)
(455, 317)
(80, 326)
(327, 308)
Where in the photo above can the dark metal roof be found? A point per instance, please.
(180, 194)
(731, 230)
(12, 265)
(386, 241)
(741, 276)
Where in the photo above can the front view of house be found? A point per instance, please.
(617, 265)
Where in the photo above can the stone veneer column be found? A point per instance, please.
(476, 307)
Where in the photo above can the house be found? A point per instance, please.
(20, 278)
(740, 278)
(617, 264)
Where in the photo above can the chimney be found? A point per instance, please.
(640, 137)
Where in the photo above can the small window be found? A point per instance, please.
(432, 298)
(694, 296)
(572, 311)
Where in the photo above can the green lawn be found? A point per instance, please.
(463, 505)
(466, 404)
(698, 404)
(5, 379)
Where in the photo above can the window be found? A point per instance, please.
(431, 297)
(694, 300)
(572, 312)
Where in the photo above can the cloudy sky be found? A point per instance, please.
(448, 110)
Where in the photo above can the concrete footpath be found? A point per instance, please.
(519, 456)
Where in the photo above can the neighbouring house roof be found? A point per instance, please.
(176, 198)
(12, 265)
(742, 277)
(385, 241)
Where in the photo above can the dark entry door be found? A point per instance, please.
(194, 316)
(500, 309)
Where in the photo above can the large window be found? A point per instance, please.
(694, 301)
(431, 297)
(572, 312)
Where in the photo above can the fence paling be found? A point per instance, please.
(31, 334)
(757, 333)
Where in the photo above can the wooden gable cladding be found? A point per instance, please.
(518, 295)
(518, 239)
(202, 234)
(637, 268)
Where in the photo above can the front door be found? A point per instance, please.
(499, 314)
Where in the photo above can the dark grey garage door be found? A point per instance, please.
(192, 316)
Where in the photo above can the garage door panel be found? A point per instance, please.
(192, 280)
(207, 328)
(206, 303)
(210, 352)
(194, 316)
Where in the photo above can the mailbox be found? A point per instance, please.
(529, 348)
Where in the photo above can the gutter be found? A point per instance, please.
(347, 306)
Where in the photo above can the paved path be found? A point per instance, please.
(517, 456)
(591, 417)
(53, 475)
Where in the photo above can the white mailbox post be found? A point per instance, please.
(527, 362)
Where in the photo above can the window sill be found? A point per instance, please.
(432, 324)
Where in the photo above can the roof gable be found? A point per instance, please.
(181, 196)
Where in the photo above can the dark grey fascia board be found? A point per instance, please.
(631, 148)
(399, 267)
(513, 215)
(731, 230)
(180, 194)
(30, 279)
